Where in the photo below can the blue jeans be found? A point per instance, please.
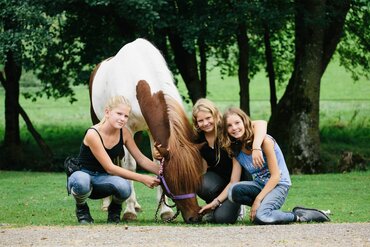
(99, 184)
(269, 211)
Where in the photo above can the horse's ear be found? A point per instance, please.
(154, 110)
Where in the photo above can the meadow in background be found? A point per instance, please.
(344, 116)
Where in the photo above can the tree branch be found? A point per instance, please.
(2, 79)
(42, 144)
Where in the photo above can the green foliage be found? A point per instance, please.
(33, 198)
(354, 49)
(24, 31)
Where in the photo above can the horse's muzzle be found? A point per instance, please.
(194, 220)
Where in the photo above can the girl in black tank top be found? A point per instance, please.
(99, 176)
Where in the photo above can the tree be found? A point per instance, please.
(24, 35)
(295, 122)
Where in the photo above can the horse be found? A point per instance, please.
(140, 73)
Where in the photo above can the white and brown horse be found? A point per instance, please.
(139, 72)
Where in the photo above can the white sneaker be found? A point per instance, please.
(242, 213)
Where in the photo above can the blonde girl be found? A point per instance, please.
(99, 176)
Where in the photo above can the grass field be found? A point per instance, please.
(34, 198)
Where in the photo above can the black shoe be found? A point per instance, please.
(310, 214)
(83, 214)
(114, 213)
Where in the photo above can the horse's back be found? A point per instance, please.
(138, 60)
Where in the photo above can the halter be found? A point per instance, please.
(170, 195)
(168, 192)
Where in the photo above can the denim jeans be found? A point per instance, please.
(212, 186)
(269, 211)
(100, 184)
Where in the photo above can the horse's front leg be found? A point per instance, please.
(132, 205)
(165, 211)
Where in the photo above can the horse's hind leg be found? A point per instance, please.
(132, 205)
(105, 203)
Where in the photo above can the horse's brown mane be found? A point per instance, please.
(183, 162)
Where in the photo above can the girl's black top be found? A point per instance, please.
(88, 160)
(223, 167)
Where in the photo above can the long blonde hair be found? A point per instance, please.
(233, 146)
(113, 102)
(206, 105)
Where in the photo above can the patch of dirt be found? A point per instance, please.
(327, 234)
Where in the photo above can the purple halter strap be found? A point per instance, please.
(168, 192)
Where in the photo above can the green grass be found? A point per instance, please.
(34, 198)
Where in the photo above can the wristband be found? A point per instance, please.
(218, 202)
(259, 149)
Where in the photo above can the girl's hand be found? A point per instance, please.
(156, 154)
(210, 206)
(253, 211)
(257, 157)
(151, 181)
(159, 152)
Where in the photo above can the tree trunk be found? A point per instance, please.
(295, 122)
(203, 65)
(186, 62)
(12, 141)
(270, 68)
(243, 70)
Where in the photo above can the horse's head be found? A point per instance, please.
(182, 168)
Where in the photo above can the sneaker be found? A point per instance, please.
(241, 213)
(83, 214)
(310, 215)
(114, 213)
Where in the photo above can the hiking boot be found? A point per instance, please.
(83, 214)
(310, 215)
(114, 213)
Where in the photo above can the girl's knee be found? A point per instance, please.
(80, 183)
(234, 193)
(263, 218)
(123, 189)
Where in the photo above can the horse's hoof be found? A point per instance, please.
(167, 216)
(129, 216)
(138, 210)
